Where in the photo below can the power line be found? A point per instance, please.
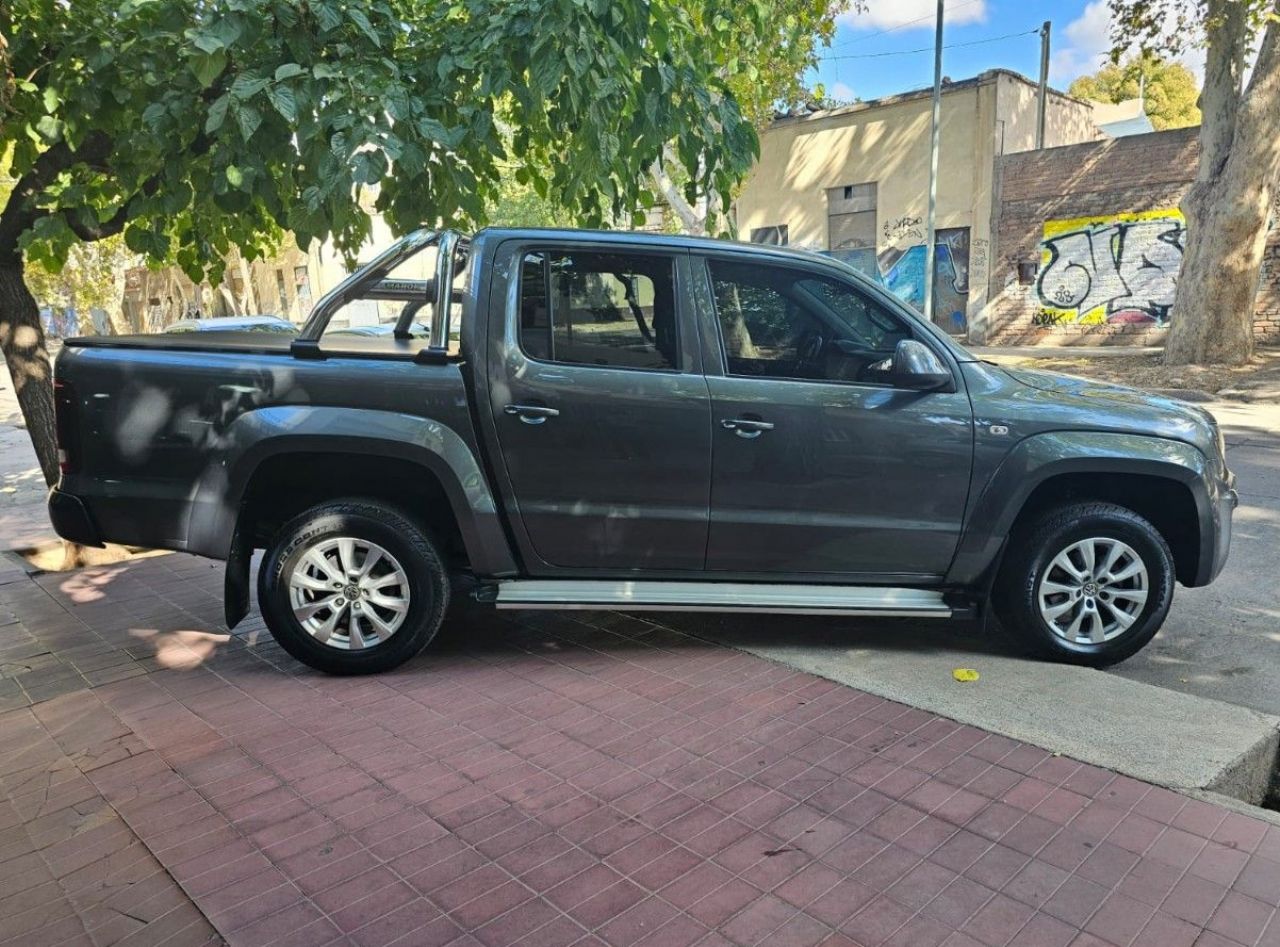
(900, 26)
(928, 49)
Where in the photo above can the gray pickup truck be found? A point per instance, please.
(570, 420)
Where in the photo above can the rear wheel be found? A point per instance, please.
(353, 587)
(1088, 583)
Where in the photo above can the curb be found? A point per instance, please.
(1180, 741)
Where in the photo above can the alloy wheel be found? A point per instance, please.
(1093, 590)
(348, 593)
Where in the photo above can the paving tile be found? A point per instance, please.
(553, 780)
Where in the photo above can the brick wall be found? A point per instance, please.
(1112, 276)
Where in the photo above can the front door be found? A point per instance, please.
(819, 464)
(601, 410)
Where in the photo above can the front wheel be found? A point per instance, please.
(1085, 583)
(352, 587)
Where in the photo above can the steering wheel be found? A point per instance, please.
(808, 350)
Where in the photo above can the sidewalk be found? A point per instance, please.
(588, 780)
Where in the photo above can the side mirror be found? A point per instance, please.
(917, 368)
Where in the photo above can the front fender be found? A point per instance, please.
(268, 432)
(1040, 457)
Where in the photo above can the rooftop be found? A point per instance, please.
(948, 86)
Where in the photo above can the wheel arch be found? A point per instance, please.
(1160, 479)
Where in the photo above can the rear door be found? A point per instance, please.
(601, 411)
(820, 466)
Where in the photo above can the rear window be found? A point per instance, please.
(605, 309)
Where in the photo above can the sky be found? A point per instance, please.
(889, 47)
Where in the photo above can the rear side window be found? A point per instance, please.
(608, 309)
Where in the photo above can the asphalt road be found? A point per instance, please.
(1223, 640)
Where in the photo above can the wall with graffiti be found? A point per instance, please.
(1114, 269)
(901, 268)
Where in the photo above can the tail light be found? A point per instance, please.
(66, 425)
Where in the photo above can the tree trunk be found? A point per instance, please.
(22, 340)
(1228, 205)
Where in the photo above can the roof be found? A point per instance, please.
(648, 238)
(1118, 119)
(983, 78)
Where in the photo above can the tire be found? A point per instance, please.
(398, 607)
(1127, 609)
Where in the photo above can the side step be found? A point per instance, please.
(628, 595)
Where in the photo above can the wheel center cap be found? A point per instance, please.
(351, 592)
(1090, 588)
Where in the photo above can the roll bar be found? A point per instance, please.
(370, 281)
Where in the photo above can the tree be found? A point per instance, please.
(1228, 205)
(191, 126)
(1168, 88)
(764, 69)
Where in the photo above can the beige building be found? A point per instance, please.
(286, 284)
(855, 181)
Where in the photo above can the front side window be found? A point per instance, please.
(777, 322)
(607, 309)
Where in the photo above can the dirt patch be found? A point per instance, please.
(64, 557)
(1147, 371)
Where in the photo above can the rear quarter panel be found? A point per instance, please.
(170, 436)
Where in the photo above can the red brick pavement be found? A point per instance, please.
(588, 780)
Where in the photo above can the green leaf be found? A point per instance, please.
(248, 118)
(361, 20)
(217, 113)
(208, 66)
(235, 177)
(247, 86)
(285, 103)
(153, 115)
(288, 71)
(51, 99)
(49, 128)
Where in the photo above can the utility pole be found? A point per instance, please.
(931, 250)
(1044, 83)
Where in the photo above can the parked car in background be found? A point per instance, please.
(234, 324)
(637, 422)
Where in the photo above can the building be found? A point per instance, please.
(854, 181)
(1087, 244)
(287, 284)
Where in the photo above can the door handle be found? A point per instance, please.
(531, 413)
(746, 427)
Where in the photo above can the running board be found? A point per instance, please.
(634, 596)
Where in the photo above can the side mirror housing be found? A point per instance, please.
(915, 367)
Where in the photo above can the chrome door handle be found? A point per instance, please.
(746, 427)
(531, 413)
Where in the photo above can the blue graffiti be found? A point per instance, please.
(902, 273)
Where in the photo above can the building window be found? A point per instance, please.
(775, 236)
(851, 217)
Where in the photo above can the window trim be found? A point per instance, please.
(918, 332)
(525, 250)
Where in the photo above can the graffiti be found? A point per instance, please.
(905, 229)
(901, 271)
(978, 259)
(1046, 318)
(1117, 269)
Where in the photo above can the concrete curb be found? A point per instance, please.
(1160, 736)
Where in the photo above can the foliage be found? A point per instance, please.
(194, 125)
(766, 70)
(1169, 88)
(91, 276)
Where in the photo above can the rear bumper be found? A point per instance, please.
(71, 519)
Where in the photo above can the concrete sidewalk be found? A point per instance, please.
(531, 780)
